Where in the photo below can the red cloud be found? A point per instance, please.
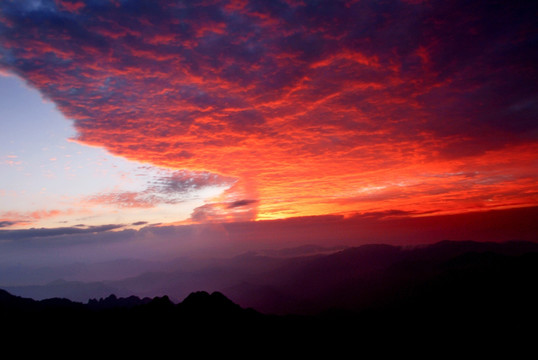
(70, 5)
(316, 109)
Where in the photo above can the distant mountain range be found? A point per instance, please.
(351, 279)
(372, 275)
(463, 293)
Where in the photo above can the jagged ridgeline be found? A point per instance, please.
(198, 305)
(124, 322)
(448, 294)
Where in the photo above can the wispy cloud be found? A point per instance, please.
(53, 232)
(7, 223)
(171, 188)
(11, 218)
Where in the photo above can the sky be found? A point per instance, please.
(126, 118)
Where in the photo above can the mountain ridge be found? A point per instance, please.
(290, 285)
(482, 297)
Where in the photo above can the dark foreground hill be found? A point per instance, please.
(127, 326)
(445, 298)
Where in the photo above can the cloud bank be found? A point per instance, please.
(316, 106)
(222, 239)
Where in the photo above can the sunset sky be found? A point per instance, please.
(123, 115)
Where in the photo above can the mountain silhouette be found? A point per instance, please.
(370, 276)
(352, 279)
(112, 302)
(462, 294)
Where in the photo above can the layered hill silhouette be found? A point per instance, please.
(125, 325)
(465, 292)
(352, 278)
(377, 275)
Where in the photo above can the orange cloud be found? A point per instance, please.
(16, 218)
(315, 109)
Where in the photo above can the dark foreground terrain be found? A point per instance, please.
(475, 301)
